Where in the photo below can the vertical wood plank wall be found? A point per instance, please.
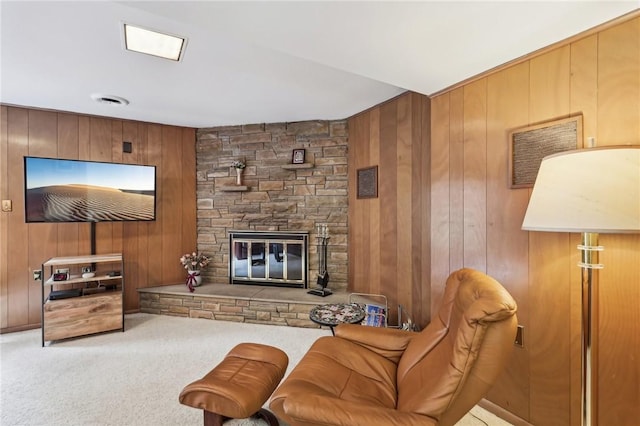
(443, 192)
(389, 235)
(476, 220)
(151, 249)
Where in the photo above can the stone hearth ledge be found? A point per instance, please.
(236, 302)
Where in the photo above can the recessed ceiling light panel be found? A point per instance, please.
(142, 40)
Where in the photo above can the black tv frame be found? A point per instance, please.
(93, 179)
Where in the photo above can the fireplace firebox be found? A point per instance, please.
(276, 258)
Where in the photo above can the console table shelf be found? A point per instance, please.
(74, 279)
(90, 304)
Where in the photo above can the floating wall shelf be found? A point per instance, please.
(297, 166)
(234, 188)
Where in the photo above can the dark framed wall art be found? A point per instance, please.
(367, 182)
(298, 156)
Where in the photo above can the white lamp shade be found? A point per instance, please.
(589, 190)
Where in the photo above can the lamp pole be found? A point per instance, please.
(590, 255)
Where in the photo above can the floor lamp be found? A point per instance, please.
(589, 191)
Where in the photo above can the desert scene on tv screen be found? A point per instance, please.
(79, 192)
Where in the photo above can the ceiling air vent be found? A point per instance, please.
(109, 99)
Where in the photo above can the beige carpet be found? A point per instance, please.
(134, 378)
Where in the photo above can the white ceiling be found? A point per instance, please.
(255, 62)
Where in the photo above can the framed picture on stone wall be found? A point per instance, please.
(529, 145)
(297, 156)
(367, 182)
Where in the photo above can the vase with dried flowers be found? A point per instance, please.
(239, 166)
(194, 263)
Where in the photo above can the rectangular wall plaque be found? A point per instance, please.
(529, 145)
(368, 182)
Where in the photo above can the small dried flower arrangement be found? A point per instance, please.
(194, 261)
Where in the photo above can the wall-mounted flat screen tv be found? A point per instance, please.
(58, 190)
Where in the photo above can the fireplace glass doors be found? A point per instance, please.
(268, 258)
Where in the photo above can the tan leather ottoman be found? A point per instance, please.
(238, 386)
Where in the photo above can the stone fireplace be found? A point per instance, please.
(275, 195)
(276, 258)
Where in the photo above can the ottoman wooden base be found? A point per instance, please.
(238, 386)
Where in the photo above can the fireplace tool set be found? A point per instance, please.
(322, 241)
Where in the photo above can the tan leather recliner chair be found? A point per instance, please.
(382, 376)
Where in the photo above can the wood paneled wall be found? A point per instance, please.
(151, 249)
(389, 235)
(443, 192)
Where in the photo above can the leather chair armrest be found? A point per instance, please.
(387, 342)
(325, 410)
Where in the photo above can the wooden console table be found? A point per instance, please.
(76, 303)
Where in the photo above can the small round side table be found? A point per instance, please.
(332, 314)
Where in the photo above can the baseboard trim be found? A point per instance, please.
(19, 328)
